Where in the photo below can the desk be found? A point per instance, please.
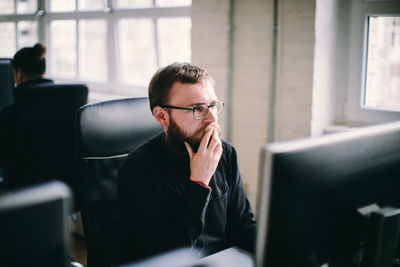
(231, 257)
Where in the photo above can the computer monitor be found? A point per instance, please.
(6, 83)
(315, 197)
(33, 226)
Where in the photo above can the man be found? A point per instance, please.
(183, 188)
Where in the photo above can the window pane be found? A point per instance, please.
(6, 6)
(173, 2)
(7, 40)
(383, 70)
(149, 3)
(134, 3)
(93, 50)
(138, 52)
(62, 5)
(27, 33)
(90, 4)
(174, 40)
(26, 6)
(63, 48)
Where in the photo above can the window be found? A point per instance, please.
(137, 35)
(382, 74)
(7, 39)
(93, 50)
(18, 25)
(63, 52)
(114, 46)
(373, 92)
(173, 45)
(27, 33)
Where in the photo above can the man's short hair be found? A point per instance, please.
(162, 81)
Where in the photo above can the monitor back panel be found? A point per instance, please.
(33, 227)
(312, 189)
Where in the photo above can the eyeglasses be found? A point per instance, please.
(200, 111)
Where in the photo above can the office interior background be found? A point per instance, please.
(285, 69)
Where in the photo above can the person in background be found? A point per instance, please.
(29, 67)
(183, 187)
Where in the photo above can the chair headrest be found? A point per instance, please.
(61, 88)
(49, 98)
(115, 127)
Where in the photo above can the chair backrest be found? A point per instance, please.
(46, 133)
(106, 132)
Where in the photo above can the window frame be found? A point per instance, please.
(15, 19)
(355, 111)
(113, 85)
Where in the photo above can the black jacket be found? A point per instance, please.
(163, 210)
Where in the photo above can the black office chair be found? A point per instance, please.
(106, 133)
(45, 141)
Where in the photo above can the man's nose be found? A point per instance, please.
(211, 116)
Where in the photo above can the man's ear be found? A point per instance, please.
(161, 115)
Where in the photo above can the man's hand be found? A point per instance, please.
(204, 163)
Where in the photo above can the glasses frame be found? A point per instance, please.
(193, 108)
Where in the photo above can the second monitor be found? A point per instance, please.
(320, 200)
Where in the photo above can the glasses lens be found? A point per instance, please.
(200, 112)
(220, 107)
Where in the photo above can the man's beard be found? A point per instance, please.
(175, 136)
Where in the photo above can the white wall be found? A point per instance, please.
(295, 69)
(330, 66)
(251, 76)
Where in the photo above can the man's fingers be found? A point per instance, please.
(206, 139)
(218, 148)
(188, 148)
(215, 141)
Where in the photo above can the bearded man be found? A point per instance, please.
(183, 188)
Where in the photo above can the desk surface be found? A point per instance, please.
(232, 257)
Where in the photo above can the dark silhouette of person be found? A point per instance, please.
(29, 67)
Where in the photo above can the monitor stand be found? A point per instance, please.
(381, 236)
